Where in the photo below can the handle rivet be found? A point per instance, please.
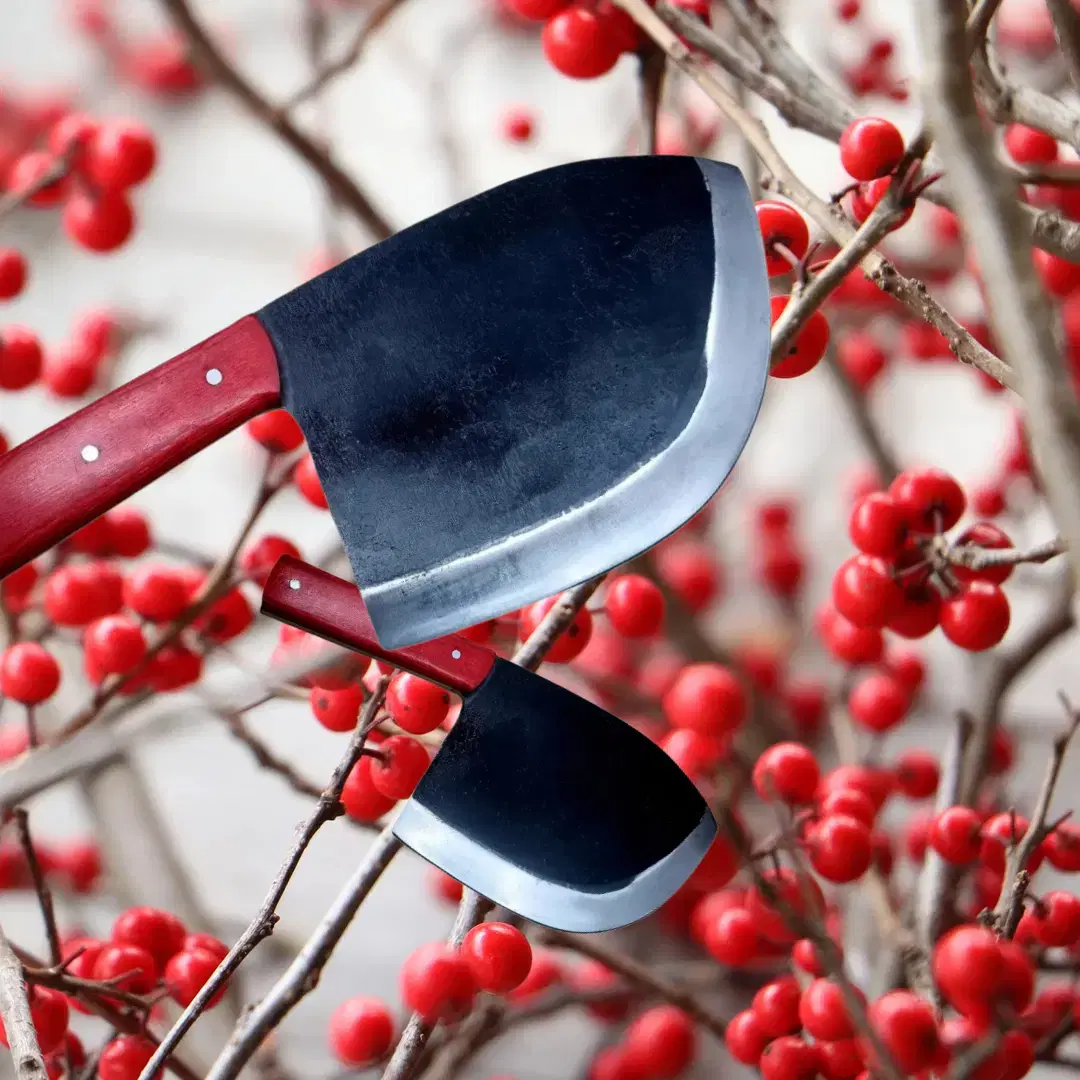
(456, 654)
(214, 377)
(89, 453)
(294, 583)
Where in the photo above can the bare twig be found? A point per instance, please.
(1010, 904)
(869, 432)
(302, 975)
(652, 64)
(328, 808)
(639, 975)
(44, 894)
(343, 186)
(15, 1012)
(979, 558)
(531, 654)
(1067, 32)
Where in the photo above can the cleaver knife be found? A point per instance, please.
(509, 397)
(537, 799)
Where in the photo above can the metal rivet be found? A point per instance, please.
(213, 377)
(456, 654)
(89, 453)
(294, 583)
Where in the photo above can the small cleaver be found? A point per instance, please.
(537, 799)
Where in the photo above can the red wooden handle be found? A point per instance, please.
(330, 608)
(77, 469)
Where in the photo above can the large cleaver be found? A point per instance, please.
(537, 799)
(510, 397)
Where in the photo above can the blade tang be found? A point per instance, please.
(324, 605)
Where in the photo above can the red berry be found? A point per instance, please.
(719, 865)
(876, 784)
(1057, 916)
(135, 964)
(499, 956)
(878, 702)
(789, 1058)
(806, 703)
(1063, 847)
(120, 154)
(797, 893)
(732, 937)
(808, 346)
(776, 1006)
(848, 642)
(157, 593)
(308, 483)
(276, 430)
(336, 710)
(862, 358)
(577, 43)
(200, 942)
(125, 1057)
(917, 774)
(68, 372)
(188, 971)
(999, 832)
(436, 983)
(848, 10)
(28, 673)
(977, 617)
(954, 834)
(259, 558)
(361, 799)
(779, 566)
(906, 1026)
(707, 698)
(1059, 276)
(29, 171)
(99, 223)
(870, 147)
(400, 770)
(361, 1031)
(877, 525)
(49, 1013)
(864, 592)
(841, 1060)
(569, 643)
(159, 932)
(1028, 146)
(12, 273)
(930, 499)
(173, 668)
(661, 1042)
(416, 705)
(865, 198)
(692, 572)
(537, 10)
(781, 223)
(70, 135)
(824, 1013)
(984, 535)
(227, 617)
(517, 125)
(545, 972)
(114, 646)
(988, 500)
(787, 771)
(744, 1038)
(634, 605)
(841, 848)
(968, 966)
(592, 975)
(850, 803)
(20, 358)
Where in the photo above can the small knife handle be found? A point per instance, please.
(324, 605)
(77, 469)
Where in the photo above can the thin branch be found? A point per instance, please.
(913, 294)
(352, 54)
(341, 185)
(563, 612)
(639, 975)
(652, 64)
(44, 894)
(15, 1012)
(869, 432)
(328, 807)
(302, 975)
(1066, 22)
(979, 558)
(1010, 904)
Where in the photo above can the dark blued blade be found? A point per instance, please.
(531, 387)
(556, 809)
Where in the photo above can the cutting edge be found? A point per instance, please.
(546, 902)
(674, 484)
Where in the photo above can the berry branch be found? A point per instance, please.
(15, 1012)
(41, 888)
(1067, 34)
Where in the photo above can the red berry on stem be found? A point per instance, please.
(781, 223)
(28, 174)
(1057, 916)
(849, 802)
(99, 223)
(930, 499)
(308, 483)
(12, 273)
(569, 643)
(114, 645)
(361, 799)
(796, 892)
(20, 358)
(276, 430)
(878, 702)
(634, 605)
(537, 10)
(862, 358)
(28, 673)
(789, 1058)
(977, 618)
(707, 698)
(864, 591)
(577, 43)
(188, 972)
(877, 525)
(1063, 847)
(259, 558)
(1059, 276)
(808, 346)
(405, 761)
(336, 710)
(125, 1057)
(692, 572)
(732, 937)
(954, 834)
(416, 705)
(823, 1011)
(49, 1013)
(499, 956)
(776, 1006)
(67, 371)
(968, 966)
(907, 1027)
(361, 1031)
(1028, 146)
(120, 154)
(158, 593)
(870, 147)
(787, 771)
(985, 535)
(134, 963)
(159, 932)
(848, 642)
(436, 983)
(517, 125)
(661, 1042)
(841, 848)
(744, 1038)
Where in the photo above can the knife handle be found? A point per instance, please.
(324, 605)
(77, 469)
